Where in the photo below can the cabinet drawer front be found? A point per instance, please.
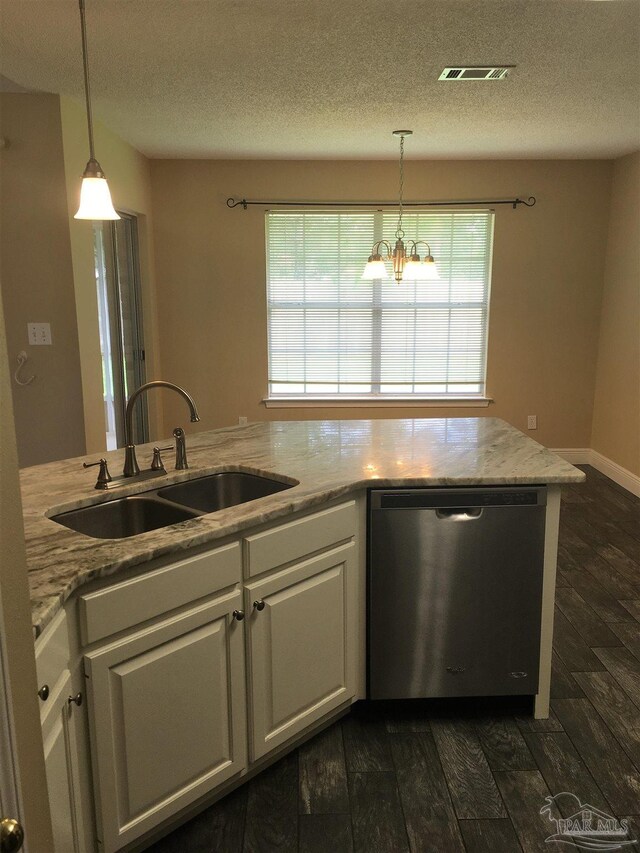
(166, 711)
(291, 541)
(52, 655)
(300, 646)
(126, 604)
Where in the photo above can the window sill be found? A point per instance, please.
(376, 402)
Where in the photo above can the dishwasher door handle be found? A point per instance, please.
(470, 513)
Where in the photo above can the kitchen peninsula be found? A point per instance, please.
(329, 459)
(231, 607)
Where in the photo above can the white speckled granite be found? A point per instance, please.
(330, 459)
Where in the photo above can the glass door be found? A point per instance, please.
(117, 270)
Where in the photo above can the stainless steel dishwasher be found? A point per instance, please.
(454, 591)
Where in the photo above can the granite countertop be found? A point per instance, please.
(329, 459)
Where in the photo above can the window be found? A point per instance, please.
(332, 335)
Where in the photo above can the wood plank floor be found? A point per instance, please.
(447, 776)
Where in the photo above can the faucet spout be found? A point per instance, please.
(131, 467)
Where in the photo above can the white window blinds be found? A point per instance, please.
(332, 334)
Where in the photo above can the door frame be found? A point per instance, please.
(113, 269)
(118, 257)
(10, 797)
(23, 784)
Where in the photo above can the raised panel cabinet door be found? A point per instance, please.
(59, 745)
(167, 718)
(299, 648)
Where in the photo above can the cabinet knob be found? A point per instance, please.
(43, 693)
(77, 699)
(258, 605)
(238, 615)
(11, 835)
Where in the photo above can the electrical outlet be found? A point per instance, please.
(532, 422)
(39, 334)
(242, 420)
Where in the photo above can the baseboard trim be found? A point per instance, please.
(586, 456)
(622, 476)
(574, 455)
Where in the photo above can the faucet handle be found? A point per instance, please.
(157, 464)
(104, 477)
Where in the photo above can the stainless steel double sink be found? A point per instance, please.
(134, 514)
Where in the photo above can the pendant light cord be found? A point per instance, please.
(399, 231)
(85, 62)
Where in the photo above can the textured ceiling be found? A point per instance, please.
(332, 79)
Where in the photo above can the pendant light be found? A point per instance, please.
(406, 264)
(95, 198)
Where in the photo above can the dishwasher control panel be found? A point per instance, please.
(442, 498)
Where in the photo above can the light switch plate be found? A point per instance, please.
(39, 334)
(532, 422)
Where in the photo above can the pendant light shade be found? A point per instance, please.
(95, 198)
(417, 270)
(374, 268)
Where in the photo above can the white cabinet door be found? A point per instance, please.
(167, 717)
(60, 756)
(299, 643)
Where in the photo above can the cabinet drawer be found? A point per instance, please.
(126, 604)
(291, 541)
(52, 653)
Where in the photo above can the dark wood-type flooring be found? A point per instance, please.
(473, 774)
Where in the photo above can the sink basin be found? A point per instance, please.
(140, 513)
(218, 491)
(123, 517)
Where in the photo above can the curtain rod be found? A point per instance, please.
(232, 202)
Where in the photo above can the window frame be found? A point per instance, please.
(376, 305)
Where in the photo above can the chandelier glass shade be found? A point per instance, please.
(95, 198)
(405, 260)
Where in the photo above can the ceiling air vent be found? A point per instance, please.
(476, 72)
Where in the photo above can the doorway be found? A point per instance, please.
(117, 268)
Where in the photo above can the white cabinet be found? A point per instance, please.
(299, 622)
(167, 717)
(60, 735)
(165, 677)
(63, 735)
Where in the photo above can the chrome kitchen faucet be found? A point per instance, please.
(131, 467)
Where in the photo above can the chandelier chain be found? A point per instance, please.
(87, 88)
(399, 231)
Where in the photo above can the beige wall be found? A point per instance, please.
(129, 180)
(616, 415)
(207, 302)
(48, 270)
(15, 627)
(546, 291)
(37, 279)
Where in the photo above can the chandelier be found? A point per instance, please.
(405, 259)
(95, 198)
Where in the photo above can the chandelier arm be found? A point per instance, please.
(376, 247)
(419, 243)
